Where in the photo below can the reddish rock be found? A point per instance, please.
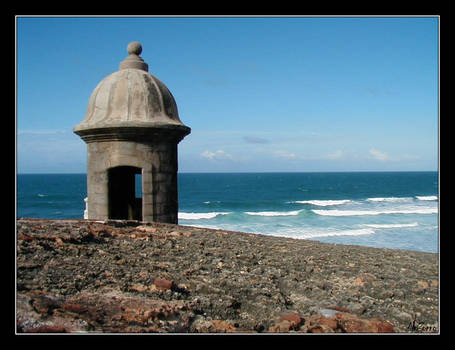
(353, 324)
(364, 278)
(320, 329)
(214, 326)
(287, 323)
(47, 329)
(163, 284)
(162, 266)
(434, 283)
(223, 327)
(423, 284)
(75, 308)
(321, 324)
(59, 242)
(136, 316)
(147, 229)
(283, 326)
(293, 318)
(139, 287)
(338, 308)
(45, 304)
(180, 234)
(346, 323)
(24, 237)
(358, 281)
(382, 326)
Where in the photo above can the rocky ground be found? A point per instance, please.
(83, 276)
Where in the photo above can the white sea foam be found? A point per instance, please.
(198, 216)
(314, 233)
(42, 195)
(389, 199)
(414, 224)
(323, 203)
(375, 212)
(427, 198)
(358, 232)
(274, 213)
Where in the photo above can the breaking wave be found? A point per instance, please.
(198, 216)
(315, 233)
(375, 212)
(402, 199)
(323, 203)
(274, 213)
(414, 224)
(389, 199)
(427, 198)
(357, 232)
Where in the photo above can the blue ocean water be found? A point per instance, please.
(380, 209)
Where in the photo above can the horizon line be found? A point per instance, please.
(252, 172)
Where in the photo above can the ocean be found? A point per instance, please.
(397, 210)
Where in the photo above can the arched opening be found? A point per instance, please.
(124, 202)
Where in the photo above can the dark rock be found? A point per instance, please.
(47, 329)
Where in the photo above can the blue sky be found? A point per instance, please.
(260, 94)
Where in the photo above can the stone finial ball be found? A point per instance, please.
(134, 48)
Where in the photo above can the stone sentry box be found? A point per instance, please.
(132, 127)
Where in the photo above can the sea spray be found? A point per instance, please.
(198, 216)
(274, 213)
(323, 203)
(427, 198)
(336, 212)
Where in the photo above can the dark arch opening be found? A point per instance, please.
(123, 202)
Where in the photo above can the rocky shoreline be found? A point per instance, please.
(82, 276)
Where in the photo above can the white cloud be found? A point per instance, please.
(284, 154)
(217, 155)
(378, 155)
(338, 154)
(207, 154)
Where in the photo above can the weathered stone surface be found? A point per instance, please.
(126, 276)
(163, 284)
(321, 324)
(283, 326)
(294, 318)
(353, 324)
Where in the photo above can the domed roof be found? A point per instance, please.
(131, 98)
